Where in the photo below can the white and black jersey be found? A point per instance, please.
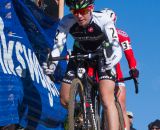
(101, 28)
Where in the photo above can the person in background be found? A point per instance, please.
(49, 7)
(155, 125)
(130, 117)
(125, 43)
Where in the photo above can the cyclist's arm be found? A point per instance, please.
(61, 36)
(127, 48)
(130, 58)
(112, 35)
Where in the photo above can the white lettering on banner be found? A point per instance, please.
(31, 64)
(21, 69)
(2, 37)
(25, 57)
(1, 63)
(4, 46)
(7, 54)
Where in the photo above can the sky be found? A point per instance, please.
(141, 20)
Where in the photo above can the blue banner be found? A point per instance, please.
(27, 95)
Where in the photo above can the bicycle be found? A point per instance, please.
(84, 108)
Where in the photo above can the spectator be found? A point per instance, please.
(130, 116)
(50, 7)
(154, 125)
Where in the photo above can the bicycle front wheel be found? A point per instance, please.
(76, 107)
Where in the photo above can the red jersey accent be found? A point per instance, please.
(90, 71)
(119, 71)
(125, 43)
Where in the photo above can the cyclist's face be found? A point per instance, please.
(83, 16)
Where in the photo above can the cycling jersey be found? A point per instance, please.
(125, 43)
(100, 29)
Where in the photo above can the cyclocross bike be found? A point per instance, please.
(84, 109)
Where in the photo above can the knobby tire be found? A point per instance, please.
(120, 114)
(104, 124)
(76, 88)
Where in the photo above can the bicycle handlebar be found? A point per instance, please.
(89, 56)
(77, 56)
(59, 58)
(135, 82)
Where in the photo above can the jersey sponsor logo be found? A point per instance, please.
(90, 29)
(70, 73)
(105, 77)
(67, 81)
(88, 38)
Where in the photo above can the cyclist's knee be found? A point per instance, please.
(108, 104)
(64, 102)
(108, 99)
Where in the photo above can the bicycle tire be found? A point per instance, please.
(104, 125)
(97, 114)
(76, 88)
(120, 114)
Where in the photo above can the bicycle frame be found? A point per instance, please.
(88, 78)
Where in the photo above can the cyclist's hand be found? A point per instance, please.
(134, 73)
(48, 69)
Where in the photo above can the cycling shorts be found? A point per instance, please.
(100, 67)
(119, 75)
